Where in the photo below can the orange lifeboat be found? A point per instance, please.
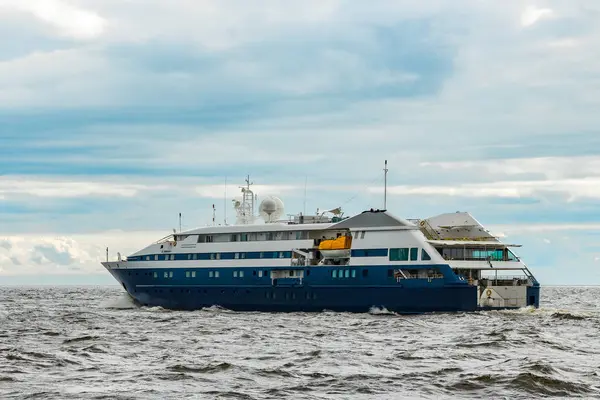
(336, 248)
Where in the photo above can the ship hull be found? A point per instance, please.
(308, 297)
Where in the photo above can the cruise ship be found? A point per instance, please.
(328, 261)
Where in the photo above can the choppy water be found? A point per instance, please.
(93, 343)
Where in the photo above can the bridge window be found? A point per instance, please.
(414, 254)
(399, 254)
(425, 256)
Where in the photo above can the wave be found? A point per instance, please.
(123, 302)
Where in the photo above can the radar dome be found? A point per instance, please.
(271, 209)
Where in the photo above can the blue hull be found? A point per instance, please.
(409, 297)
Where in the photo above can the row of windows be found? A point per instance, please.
(369, 253)
(406, 254)
(213, 274)
(251, 255)
(461, 253)
(341, 273)
(291, 296)
(398, 254)
(268, 294)
(250, 237)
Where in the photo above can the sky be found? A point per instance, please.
(116, 116)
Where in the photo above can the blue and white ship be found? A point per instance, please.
(326, 261)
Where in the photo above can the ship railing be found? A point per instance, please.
(506, 280)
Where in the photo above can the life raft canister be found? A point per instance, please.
(488, 292)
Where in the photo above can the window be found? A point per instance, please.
(187, 274)
(356, 235)
(270, 236)
(347, 274)
(281, 254)
(171, 274)
(291, 273)
(156, 257)
(155, 275)
(216, 274)
(212, 256)
(209, 239)
(260, 274)
(414, 254)
(354, 273)
(193, 274)
(172, 257)
(166, 274)
(244, 237)
(399, 254)
(218, 256)
(241, 274)
(235, 274)
(242, 255)
(262, 255)
(147, 258)
(334, 273)
(233, 238)
(237, 255)
(362, 235)
(211, 274)
(424, 255)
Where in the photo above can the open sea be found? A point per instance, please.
(94, 343)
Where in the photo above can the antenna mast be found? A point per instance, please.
(225, 204)
(214, 211)
(179, 222)
(305, 181)
(245, 211)
(385, 171)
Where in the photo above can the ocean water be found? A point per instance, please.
(93, 343)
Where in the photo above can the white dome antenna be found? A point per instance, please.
(271, 209)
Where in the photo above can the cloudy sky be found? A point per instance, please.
(117, 115)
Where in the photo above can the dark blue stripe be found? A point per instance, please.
(369, 253)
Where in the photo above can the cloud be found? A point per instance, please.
(71, 21)
(73, 254)
(570, 189)
(532, 14)
(18, 186)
